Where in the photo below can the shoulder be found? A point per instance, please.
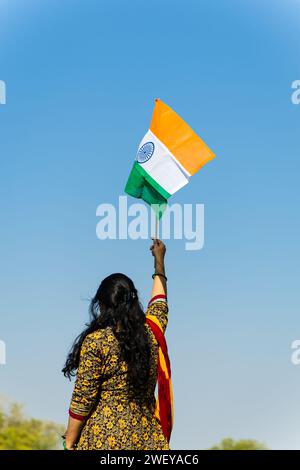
(95, 340)
(98, 334)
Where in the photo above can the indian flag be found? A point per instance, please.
(168, 155)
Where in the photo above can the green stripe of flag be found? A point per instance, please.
(141, 185)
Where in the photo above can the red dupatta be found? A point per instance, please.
(164, 403)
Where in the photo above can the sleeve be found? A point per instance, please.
(88, 378)
(158, 307)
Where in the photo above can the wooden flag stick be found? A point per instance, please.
(155, 237)
(156, 228)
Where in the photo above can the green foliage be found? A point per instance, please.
(243, 444)
(20, 433)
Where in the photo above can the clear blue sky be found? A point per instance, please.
(81, 79)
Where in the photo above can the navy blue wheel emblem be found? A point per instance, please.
(145, 152)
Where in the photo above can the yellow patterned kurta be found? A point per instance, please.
(115, 422)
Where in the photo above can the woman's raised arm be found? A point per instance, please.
(159, 287)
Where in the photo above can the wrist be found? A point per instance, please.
(159, 263)
(69, 444)
(159, 274)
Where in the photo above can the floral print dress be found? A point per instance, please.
(113, 421)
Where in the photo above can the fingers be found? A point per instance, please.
(153, 245)
(157, 246)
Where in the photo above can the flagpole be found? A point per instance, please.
(156, 228)
(156, 235)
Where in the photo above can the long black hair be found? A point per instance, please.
(116, 304)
